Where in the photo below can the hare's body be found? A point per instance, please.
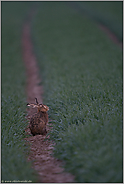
(37, 124)
(39, 120)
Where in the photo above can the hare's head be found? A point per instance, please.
(40, 107)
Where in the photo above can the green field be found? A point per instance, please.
(106, 13)
(82, 77)
(14, 165)
(81, 70)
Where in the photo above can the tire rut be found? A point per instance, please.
(49, 169)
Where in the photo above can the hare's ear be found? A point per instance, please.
(32, 105)
(36, 101)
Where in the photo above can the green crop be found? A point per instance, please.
(108, 14)
(81, 70)
(14, 151)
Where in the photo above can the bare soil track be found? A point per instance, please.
(111, 36)
(48, 168)
(108, 32)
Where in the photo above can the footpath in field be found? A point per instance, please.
(82, 78)
(49, 168)
(110, 23)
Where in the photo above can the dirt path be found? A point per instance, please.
(103, 28)
(111, 35)
(48, 168)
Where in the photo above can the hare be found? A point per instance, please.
(39, 120)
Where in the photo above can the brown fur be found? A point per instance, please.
(39, 120)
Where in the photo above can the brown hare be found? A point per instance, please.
(39, 120)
